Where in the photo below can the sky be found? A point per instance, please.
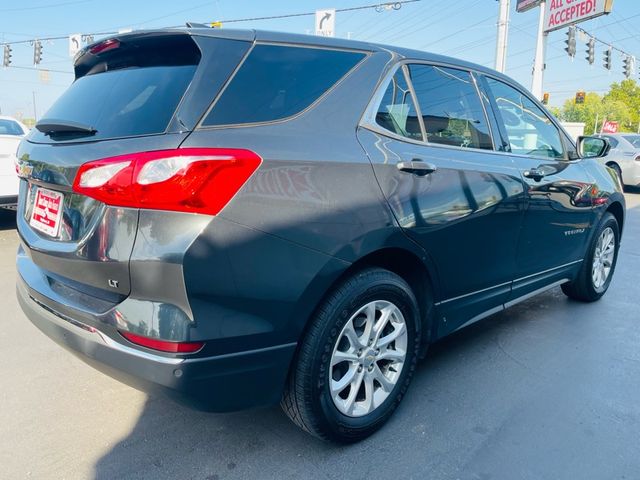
(460, 28)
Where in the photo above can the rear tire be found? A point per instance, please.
(348, 378)
(599, 263)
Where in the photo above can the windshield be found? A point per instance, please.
(633, 140)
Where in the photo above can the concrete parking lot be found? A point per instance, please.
(549, 389)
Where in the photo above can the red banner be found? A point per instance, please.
(609, 127)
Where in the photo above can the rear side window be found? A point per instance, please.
(397, 112)
(450, 107)
(276, 82)
(613, 142)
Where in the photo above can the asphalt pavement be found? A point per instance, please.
(549, 389)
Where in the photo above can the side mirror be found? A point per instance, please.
(593, 147)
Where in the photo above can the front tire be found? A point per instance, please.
(599, 264)
(357, 358)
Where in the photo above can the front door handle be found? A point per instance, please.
(417, 167)
(536, 174)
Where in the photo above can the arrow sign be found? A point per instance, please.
(326, 22)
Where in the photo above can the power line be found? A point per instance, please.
(39, 69)
(406, 23)
(19, 9)
(377, 6)
(457, 32)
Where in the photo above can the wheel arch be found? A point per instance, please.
(617, 210)
(403, 262)
(615, 166)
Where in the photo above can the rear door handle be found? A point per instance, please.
(417, 167)
(536, 174)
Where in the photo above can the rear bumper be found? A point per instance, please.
(9, 201)
(222, 383)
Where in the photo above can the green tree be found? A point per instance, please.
(583, 112)
(626, 92)
(615, 105)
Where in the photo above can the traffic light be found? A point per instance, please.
(545, 99)
(591, 51)
(579, 97)
(629, 65)
(6, 59)
(608, 53)
(37, 52)
(571, 42)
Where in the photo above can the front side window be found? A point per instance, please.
(529, 129)
(397, 112)
(450, 107)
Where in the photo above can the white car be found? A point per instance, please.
(624, 157)
(11, 132)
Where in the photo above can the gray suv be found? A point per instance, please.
(240, 218)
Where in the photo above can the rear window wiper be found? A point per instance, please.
(50, 126)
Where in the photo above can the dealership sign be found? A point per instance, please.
(524, 5)
(560, 13)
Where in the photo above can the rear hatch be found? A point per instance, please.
(135, 93)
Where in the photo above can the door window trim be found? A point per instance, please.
(368, 118)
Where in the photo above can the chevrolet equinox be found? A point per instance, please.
(240, 218)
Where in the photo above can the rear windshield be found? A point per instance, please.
(276, 82)
(9, 127)
(134, 91)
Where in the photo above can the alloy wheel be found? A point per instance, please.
(603, 258)
(368, 358)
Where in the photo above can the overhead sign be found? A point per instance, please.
(524, 5)
(609, 127)
(75, 43)
(560, 13)
(326, 22)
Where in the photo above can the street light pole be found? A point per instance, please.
(538, 62)
(503, 32)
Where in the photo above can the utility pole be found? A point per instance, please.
(538, 62)
(503, 31)
(35, 114)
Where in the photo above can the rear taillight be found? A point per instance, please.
(109, 44)
(199, 180)
(163, 345)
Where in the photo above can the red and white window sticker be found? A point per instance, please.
(47, 211)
